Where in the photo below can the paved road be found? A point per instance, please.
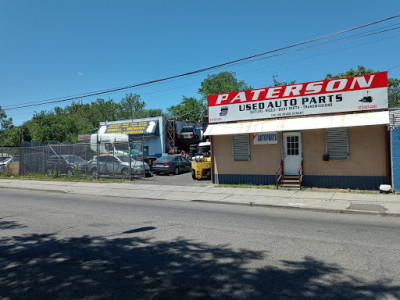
(183, 179)
(72, 246)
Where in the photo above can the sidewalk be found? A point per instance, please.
(383, 204)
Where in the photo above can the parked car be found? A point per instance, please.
(109, 164)
(65, 164)
(171, 164)
(146, 158)
(188, 132)
(6, 161)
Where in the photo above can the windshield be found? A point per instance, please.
(187, 129)
(121, 147)
(73, 158)
(166, 158)
(124, 158)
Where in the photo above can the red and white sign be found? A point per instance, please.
(358, 93)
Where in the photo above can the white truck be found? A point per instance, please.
(110, 143)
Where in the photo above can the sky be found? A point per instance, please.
(54, 49)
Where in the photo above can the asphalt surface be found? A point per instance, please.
(183, 179)
(69, 246)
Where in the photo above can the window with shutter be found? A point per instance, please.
(241, 147)
(337, 143)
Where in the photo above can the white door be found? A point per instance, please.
(292, 153)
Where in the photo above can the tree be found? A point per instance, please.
(10, 137)
(65, 124)
(279, 83)
(4, 121)
(223, 82)
(393, 83)
(53, 126)
(189, 109)
(6, 127)
(193, 109)
(360, 71)
(130, 107)
(394, 92)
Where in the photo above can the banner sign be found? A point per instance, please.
(265, 138)
(140, 128)
(358, 93)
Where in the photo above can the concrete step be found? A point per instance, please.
(290, 177)
(291, 185)
(291, 181)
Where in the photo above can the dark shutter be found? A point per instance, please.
(337, 143)
(241, 147)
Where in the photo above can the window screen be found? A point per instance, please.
(241, 147)
(337, 143)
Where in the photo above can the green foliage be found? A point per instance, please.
(279, 83)
(360, 71)
(193, 109)
(394, 92)
(8, 133)
(57, 126)
(223, 82)
(65, 124)
(189, 109)
(130, 107)
(393, 83)
(5, 122)
(10, 137)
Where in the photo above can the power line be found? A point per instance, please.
(306, 48)
(357, 36)
(233, 62)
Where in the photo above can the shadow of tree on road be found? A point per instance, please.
(42, 266)
(10, 225)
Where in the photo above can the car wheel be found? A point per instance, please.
(193, 174)
(94, 172)
(176, 171)
(208, 174)
(158, 173)
(125, 172)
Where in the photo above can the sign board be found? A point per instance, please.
(265, 138)
(133, 128)
(358, 93)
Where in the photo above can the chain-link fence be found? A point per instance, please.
(98, 160)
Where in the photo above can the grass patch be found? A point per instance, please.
(57, 177)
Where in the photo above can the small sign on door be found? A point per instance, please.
(265, 138)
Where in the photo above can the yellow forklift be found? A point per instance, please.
(201, 162)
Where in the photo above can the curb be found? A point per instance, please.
(313, 209)
(251, 204)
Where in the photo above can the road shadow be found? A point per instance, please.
(42, 266)
(140, 229)
(10, 225)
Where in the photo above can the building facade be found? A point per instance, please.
(330, 133)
